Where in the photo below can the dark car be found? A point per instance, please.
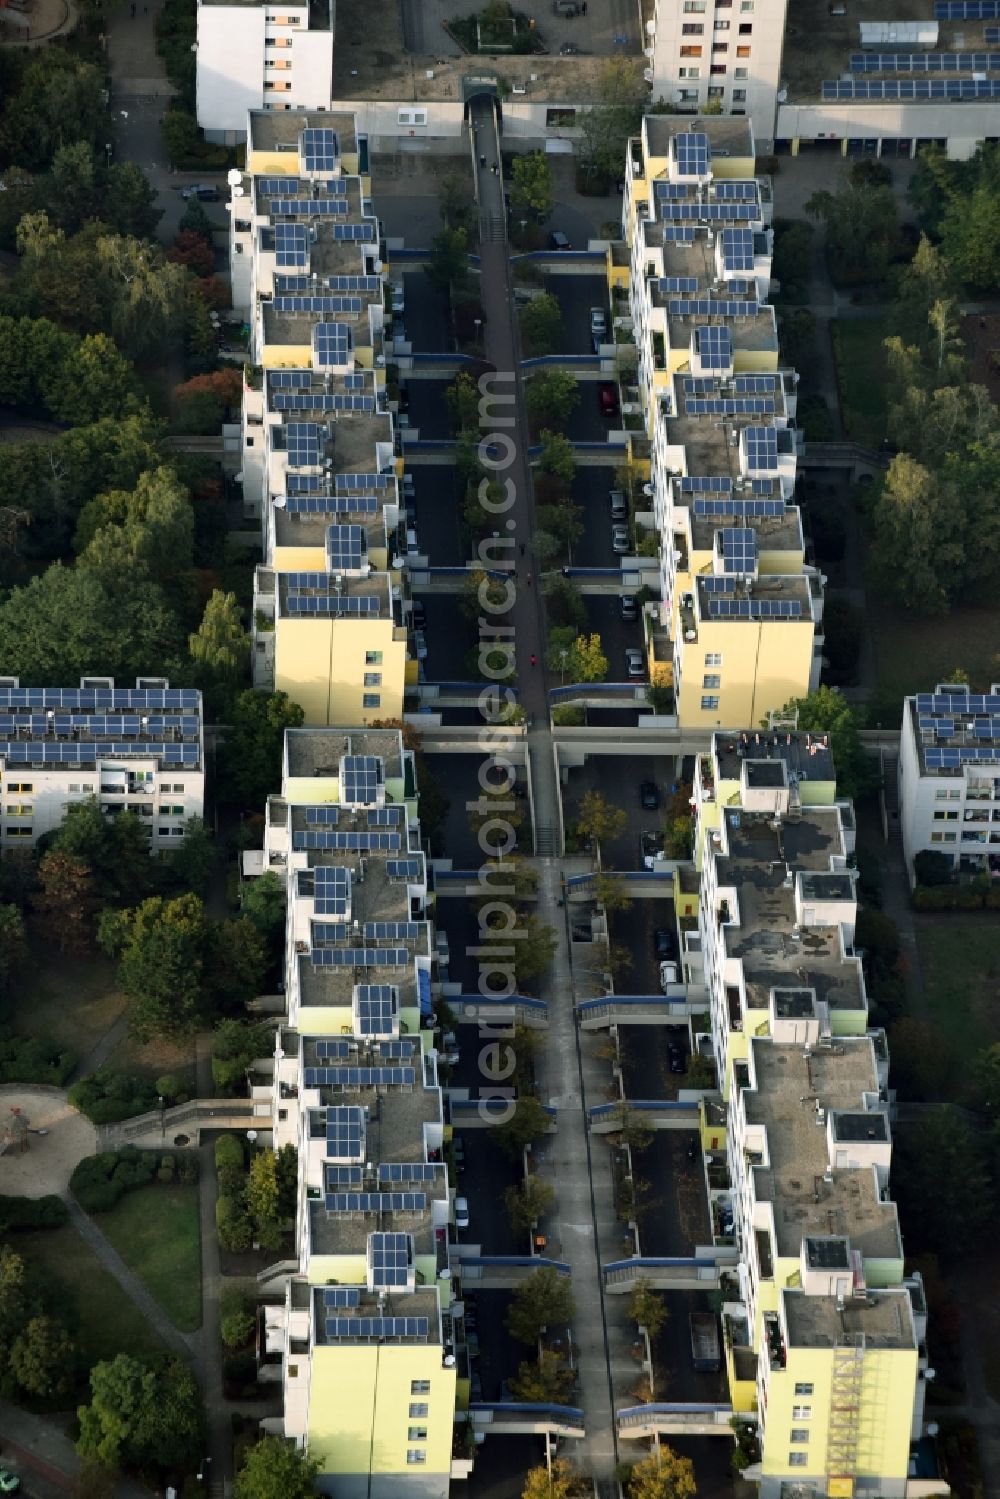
(559, 241)
(419, 614)
(675, 1056)
(607, 395)
(664, 943)
(649, 797)
(203, 191)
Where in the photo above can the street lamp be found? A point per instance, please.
(252, 1137)
(563, 658)
(163, 1119)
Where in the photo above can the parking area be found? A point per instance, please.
(499, 1355)
(650, 1055)
(487, 1174)
(676, 1218)
(609, 774)
(713, 1469)
(451, 642)
(634, 931)
(501, 1463)
(427, 409)
(426, 315)
(435, 500)
(576, 295)
(604, 618)
(591, 487)
(676, 1379)
(458, 776)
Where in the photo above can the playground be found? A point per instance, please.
(41, 1139)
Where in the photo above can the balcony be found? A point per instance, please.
(659, 352)
(776, 1353)
(762, 1239)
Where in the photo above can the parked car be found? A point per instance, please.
(619, 504)
(420, 644)
(669, 974)
(419, 614)
(635, 665)
(619, 539)
(607, 395)
(627, 606)
(598, 322)
(9, 1482)
(398, 297)
(649, 797)
(665, 943)
(675, 1057)
(558, 241)
(461, 1212)
(651, 849)
(203, 191)
(568, 49)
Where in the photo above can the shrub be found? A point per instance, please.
(232, 1224)
(239, 1375)
(106, 1096)
(948, 898)
(30, 1059)
(27, 1213)
(187, 1169)
(100, 1180)
(229, 1151)
(236, 1327)
(172, 1089)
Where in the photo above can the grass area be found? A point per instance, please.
(106, 1322)
(913, 653)
(74, 1001)
(861, 377)
(156, 1232)
(960, 962)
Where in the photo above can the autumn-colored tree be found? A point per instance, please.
(528, 1201)
(192, 251)
(68, 901)
(598, 819)
(544, 1381)
(559, 1481)
(662, 1475)
(226, 384)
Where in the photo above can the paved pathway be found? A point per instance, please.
(38, 1449)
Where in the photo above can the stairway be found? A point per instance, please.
(546, 842)
(491, 228)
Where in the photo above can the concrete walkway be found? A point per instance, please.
(41, 1452)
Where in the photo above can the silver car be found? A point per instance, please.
(619, 539)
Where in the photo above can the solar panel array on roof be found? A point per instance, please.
(376, 1202)
(744, 192)
(303, 442)
(678, 234)
(737, 249)
(394, 931)
(278, 187)
(100, 699)
(711, 307)
(409, 1171)
(354, 283)
(748, 509)
(32, 752)
(385, 817)
(342, 1176)
(912, 88)
(331, 344)
(684, 284)
(954, 759)
(732, 608)
(755, 385)
(737, 546)
(328, 504)
(966, 10)
(700, 385)
(714, 346)
(325, 208)
(360, 779)
(318, 149)
(376, 1008)
(691, 153)
(360, 957)
(364, 481)
(925, 62)
(346, 548)
(404, 869)
(706, 484)
(396, 1048)
(958, 702)
(332, 885)
(291, 246)
(316, 302)
(730, 406)
(357, 842)
(345, 1131)
(991, 35)
(289, 379)
(146, 726)
(364, 1077)
(761, 447)
(341, 1296)
(715, 583)
(389, 1255)
(702, 213)
(305, 483)
(327, 1049)
(376, 1329)
(365, 231)
(334, 604)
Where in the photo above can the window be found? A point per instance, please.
(721, 26)
(18, 832)
(797, 1459)
(713, 658)
(689, 72)
(373, 658)
(371, 700)
(955, 795)
(945, 816)
(418, 1409)
(414, 1455)
(694, 7)
(709, 703)
(373, 679)
(690, 51)
(719, 68)
(423, 1387)
(19, 809)
(709, 680)
(746, 28)
(804, 1389)
(716, 93)
(22, 786)
(719, 49)
(560, 118)
(944, 837)
(802, 1412)
(739, 95)
(693, 28)
(746, 6)
(741, 73)
(742, 51)
(283, 88)
(411, 117)
(416, 1434)
(799, 1434)
(172, 811)
(939, 796)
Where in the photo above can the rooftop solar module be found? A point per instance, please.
(761, 447)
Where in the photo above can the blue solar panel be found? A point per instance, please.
(409, 1171)
(737, 249)
(912, 88)
(354, 283)
(331, 344)
(319, 302)
(733, 608)
(361, 776)
(991, 35)
(376, 1329)
(332, 884)
(389, 1255)
(365, 231)
(737, 546)
(405, 869)
(335, 605)
(327, 1049)
(925, 62)
(289, 379)
(710, 307)
(755, 385)
(678, 234)
(761, 447)
(738, 509)
(685, 284)
(278, 187)
(376, 1008)
(691, 154)
(303, 443)
(342, 1296)
(345, 1131)
(743, 192)
(714, 346)
(318, 149)
(730, 406)
(323, 208)
(360, 957)
(706, 484)
(346, 548)
(966, 10)
(291, 246)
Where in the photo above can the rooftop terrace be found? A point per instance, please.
(883, 1319)
(805, 755)
(278, 130)
(318, 752)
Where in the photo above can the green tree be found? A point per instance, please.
(67, 901)
(534, 952)
(564, 523)
(559, 1481)
(662, 1475)
(547, 1380)
(541, 323)
(13, 945)
(58, 99)
(944, 1187)
(531, 186)
(543, 1300)
(861, 229)
(462, 401)
(826, 712)
(236, 1325)
(966, 217)
(588, 663)
(564, 602)
(610, 892)
(145, 295)
(115, 850)
(142, 1414)
(70, 188)
(647, 1308)
(43, 1357)
(262, 1199)
(191, 862)
(161, 947)
(220, 647)
(622, 95)
(263, 903)
(551, 398)
(919, 540)
(15, 1298)
(251, 757)
(287, 1164)
(455, 202)
(129, 205)
(529, 1201)
(528, 1122)
(448, 265)
(235, 1045)
(272, 1469)
(557, 457)
(793, 257)
(598, 819)
(235, 962)
(986, 1078)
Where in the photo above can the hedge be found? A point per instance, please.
(29, 1059)
(99, 1181)
(106, 1096)
(23, 1214)
(972, 897)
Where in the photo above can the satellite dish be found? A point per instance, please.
(239, 192)
(280, 501)
(377, 265)
(932, 1428)
(234, 177)
(650, 28)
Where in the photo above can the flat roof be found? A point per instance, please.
(774, 533)
(394, 1129)
(319, 751)
(764, 774)
(297, 327)
(773, 587)
(279, 130)
(858, 1128)
(972, 729)
(883, 1319)
(806, 755)
(826, 885)
(755, 333)
(422, 1302)
(727, 135)
(808, 1199)
(331, 595)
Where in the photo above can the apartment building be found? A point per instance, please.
(738, 628)
(826, 1330)
(817, 75)
(362, 1341)
(137, 749)
(321, 465)
(255, 54)
(949, 777)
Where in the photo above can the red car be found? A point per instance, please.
(607, 394)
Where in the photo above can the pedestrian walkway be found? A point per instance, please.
(44, 1455)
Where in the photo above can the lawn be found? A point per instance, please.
(913, 653)
(74, 1001)
(861, 377)
(156, 1232)
(960, 963)
(107, 1322)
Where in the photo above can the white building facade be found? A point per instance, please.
(949, 777)
(260, 56)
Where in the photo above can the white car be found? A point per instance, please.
(669, 975)
(398, 297)
(461, 1212)
(634, 663)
